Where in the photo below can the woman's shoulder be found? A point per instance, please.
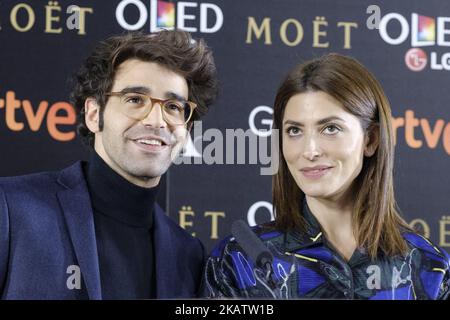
(423, 244)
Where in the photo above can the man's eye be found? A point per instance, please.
(331, 129)
(293, 131)
(134, 100)
(174, 107)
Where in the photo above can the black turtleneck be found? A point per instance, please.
(123, 217)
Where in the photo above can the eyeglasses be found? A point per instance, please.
(138, 106)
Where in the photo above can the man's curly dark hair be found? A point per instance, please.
(174, 50)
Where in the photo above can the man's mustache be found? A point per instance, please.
(169, 138)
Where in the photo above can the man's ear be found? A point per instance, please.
(372, 141)
(92, 114)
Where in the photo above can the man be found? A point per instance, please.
(93, 230)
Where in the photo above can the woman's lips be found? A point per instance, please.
(315, 172)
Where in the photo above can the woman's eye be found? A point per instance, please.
(293, 131)
(331, 129)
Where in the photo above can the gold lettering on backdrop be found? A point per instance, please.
(214, 222)
(82, 18)
(30, 13)
(50, 18)
(444, 231)
(258, 31)
(53, 20)
(317, 33)
(347, 32)
(299, 30)
(184, 213)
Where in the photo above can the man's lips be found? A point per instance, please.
(151, 143)
(151, 140)
(150, 148)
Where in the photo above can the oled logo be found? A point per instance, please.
(424, 32)
(416, 59)
(187, 16)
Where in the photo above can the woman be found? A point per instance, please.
(337, 232)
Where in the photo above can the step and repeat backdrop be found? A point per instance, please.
(406, 44)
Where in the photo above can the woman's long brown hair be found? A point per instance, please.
(377, 224)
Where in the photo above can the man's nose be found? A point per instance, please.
(155, 118)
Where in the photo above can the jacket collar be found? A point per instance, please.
(312, 236)
(165, 256)
(76, 205)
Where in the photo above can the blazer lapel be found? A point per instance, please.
(75, 203)
(165, 261)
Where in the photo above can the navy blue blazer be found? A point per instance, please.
(47, 227)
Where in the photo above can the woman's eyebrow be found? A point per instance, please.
(329, 119)
(319, 122)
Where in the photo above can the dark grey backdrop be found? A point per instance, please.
(36, 64)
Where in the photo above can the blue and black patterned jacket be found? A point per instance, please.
(306, 266)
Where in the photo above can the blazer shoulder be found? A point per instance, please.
(29, 182)
(47, 181)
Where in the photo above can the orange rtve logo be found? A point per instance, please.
(36, 118)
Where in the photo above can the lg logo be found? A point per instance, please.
(168, 15)
(416, 59)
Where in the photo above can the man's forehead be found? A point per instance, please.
(134, 65)
(149, 77)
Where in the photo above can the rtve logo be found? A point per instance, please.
(187, 16)
(57, 118)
